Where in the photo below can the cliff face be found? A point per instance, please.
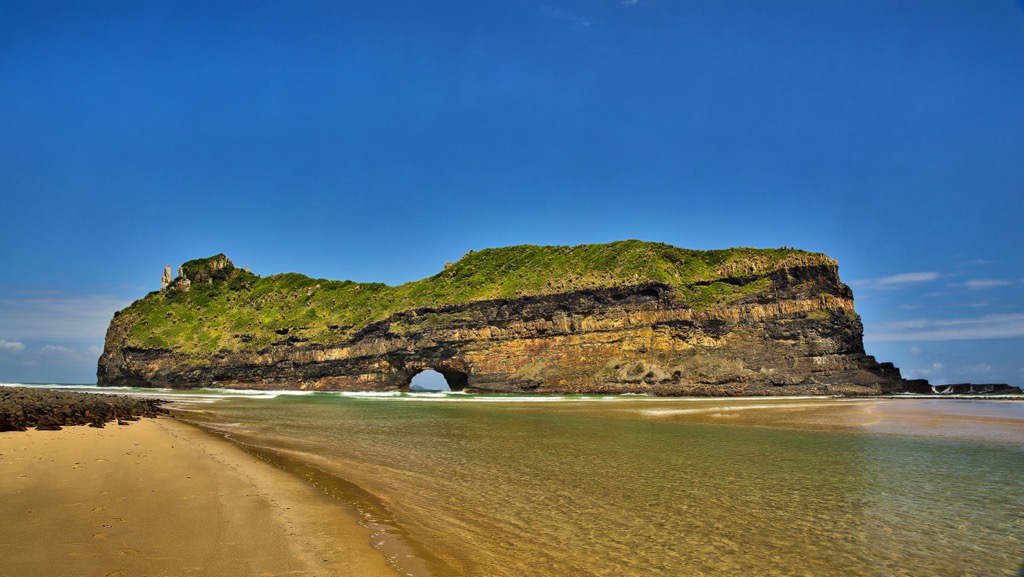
(737, 322)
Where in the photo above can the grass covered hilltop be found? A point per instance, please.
(214, 306)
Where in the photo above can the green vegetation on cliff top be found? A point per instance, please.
(229, 309)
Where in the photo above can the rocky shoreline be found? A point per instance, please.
(22, 408)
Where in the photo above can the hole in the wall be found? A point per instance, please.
(429, 380)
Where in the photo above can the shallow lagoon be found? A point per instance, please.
(453, 484)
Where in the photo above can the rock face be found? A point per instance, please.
(165, 280)
(736, 322)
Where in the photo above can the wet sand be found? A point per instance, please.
(988, 420)
(164, 498)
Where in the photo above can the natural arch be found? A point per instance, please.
(434, 379)
(428, 380)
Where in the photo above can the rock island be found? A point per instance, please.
(623, 317)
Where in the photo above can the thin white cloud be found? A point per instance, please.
(57, 317)
(987, 283)
(940, 373)
(928, 372)
(52, 363)
(11, 347)
(898, 280)
(68, 355)
(978, 369)
(906, 279)
(575, 20)
(995, 326)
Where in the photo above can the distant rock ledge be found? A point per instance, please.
(624, 317)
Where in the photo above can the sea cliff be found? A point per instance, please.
(624, 317)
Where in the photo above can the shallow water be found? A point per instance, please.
(462, 485)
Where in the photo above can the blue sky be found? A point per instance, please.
(374, 141)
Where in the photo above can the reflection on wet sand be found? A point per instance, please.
(999, 421)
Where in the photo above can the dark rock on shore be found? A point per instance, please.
(49, 410)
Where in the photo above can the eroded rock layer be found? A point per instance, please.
(738, 322)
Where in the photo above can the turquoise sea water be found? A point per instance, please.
(452, 484)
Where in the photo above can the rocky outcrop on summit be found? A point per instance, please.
(627, 317)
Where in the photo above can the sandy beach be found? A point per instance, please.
(160, 497)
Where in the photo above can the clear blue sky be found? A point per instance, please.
(374, 141)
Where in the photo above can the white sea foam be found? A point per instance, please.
(261, 393)
(49, 386)
(456, 397)
(216, 394)
(512, 399)
(370, 394)
(725, 409)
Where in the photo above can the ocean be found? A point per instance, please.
(451, 484)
